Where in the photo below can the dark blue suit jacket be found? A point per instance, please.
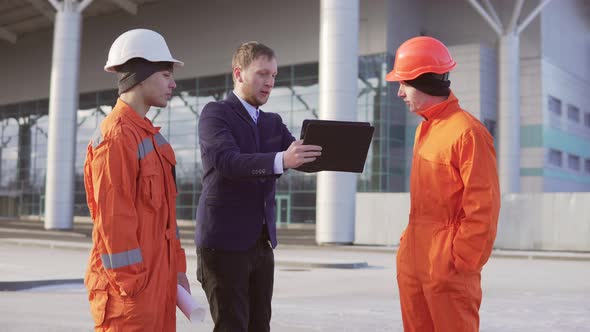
(238, 175)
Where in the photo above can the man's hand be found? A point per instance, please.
(298, 154)
(183, 281)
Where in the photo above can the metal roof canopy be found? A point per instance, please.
(214, 85)
(19, 17)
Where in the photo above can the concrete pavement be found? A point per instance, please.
(523, 291)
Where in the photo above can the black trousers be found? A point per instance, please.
(238, 286)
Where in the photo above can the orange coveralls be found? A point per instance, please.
(455, 202)
(136, 254)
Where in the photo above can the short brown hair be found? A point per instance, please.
(250, 51)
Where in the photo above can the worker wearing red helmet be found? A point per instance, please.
(454, 193)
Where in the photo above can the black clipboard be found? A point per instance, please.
(345, 145)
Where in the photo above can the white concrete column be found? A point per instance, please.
(336, 191)
(63, 107)
(509, 88)
(509, 114)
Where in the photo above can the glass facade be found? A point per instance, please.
(23, 138)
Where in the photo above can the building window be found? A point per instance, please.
(573, 162)
(491, 126)
(587, 120)
(573, 113)
(555, 157)
(587, 166)
(554, 106)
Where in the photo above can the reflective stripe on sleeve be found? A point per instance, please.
(121, 259)
(160, 140)
(144, 147)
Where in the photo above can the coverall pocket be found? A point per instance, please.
(150, 184)
(98, 298)
(440, 254)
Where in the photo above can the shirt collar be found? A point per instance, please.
(435, 110)
(131, 115)
(253, 111)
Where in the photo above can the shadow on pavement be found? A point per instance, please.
(13, 286)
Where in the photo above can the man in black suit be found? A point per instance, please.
(243, 151)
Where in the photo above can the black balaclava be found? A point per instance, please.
(137, 70)
(432, 84)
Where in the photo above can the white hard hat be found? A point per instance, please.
(139, 43)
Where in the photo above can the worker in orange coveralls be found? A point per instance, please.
(136, 259)
(454, 195)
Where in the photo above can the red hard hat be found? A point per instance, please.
(420, 55)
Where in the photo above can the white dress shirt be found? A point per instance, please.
(254, 112)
